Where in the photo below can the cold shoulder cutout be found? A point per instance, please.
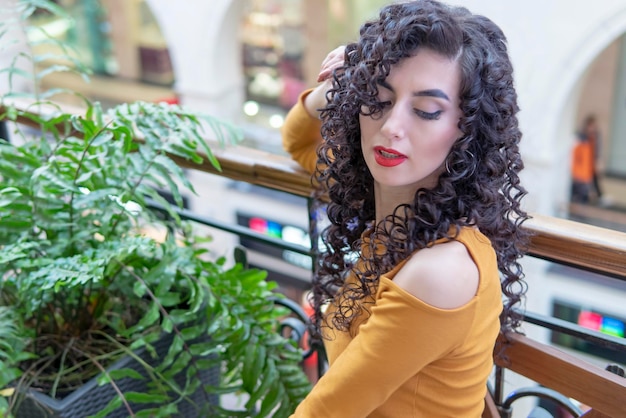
(443, 275)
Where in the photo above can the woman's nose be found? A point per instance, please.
(393, 126)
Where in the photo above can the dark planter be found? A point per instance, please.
(91, 398)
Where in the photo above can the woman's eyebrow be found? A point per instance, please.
(422, 93)
(432, 93)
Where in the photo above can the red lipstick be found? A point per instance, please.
(388, 157)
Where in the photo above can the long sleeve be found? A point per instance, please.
(301, 135)
(401, 337)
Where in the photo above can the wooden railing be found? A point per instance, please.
(558, 240)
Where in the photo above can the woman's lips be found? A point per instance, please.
(388, 157)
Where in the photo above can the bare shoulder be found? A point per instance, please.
(444, 276)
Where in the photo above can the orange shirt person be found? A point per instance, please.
(582, 162)
(582, 170)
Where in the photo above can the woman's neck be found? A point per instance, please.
(388, 199)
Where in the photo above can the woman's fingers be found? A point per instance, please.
(324, 75)
(333, 60)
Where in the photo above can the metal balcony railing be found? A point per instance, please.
(559, 376)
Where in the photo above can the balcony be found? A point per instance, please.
(577, 386)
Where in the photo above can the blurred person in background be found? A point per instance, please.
(583, 171)
(590, 133)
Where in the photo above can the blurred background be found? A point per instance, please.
(248, 60)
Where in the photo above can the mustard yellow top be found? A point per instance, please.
(406, 358)
(301, 135)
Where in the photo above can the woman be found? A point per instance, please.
(588, 142)
(420, 161)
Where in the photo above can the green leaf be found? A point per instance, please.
(54, 178)
(170, 171)
(170, 299)
(140, 397)
(113, 404)
(270, 378)
(118, 374)
(9, 195)
(156, 196)
(167, 325)
(54, 92)
(271, 400)
(184, 152)
(162, 273)
(183, 361)
(102, 138)
(204, 349)
(253, 364)
(86, 126)
(175, 348)
(164, 411)
(15, 71)
(192, 332)
(13, 252)
(57, 68)
(150, 317)
(67, 272)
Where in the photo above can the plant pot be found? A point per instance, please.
(92, 398)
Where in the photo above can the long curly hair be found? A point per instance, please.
(480, 186)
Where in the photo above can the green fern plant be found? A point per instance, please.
(83, 285)
(11, 354)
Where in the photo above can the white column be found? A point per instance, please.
(202, 37)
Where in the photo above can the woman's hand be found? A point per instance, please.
(317, 98)
(334, 59)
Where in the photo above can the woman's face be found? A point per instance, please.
(406, 145)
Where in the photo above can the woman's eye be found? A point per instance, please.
(427, 115)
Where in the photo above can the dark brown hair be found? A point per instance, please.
(480, 187)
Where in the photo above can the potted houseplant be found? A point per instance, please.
(90, 301)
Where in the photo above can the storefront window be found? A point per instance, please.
(272, 47)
